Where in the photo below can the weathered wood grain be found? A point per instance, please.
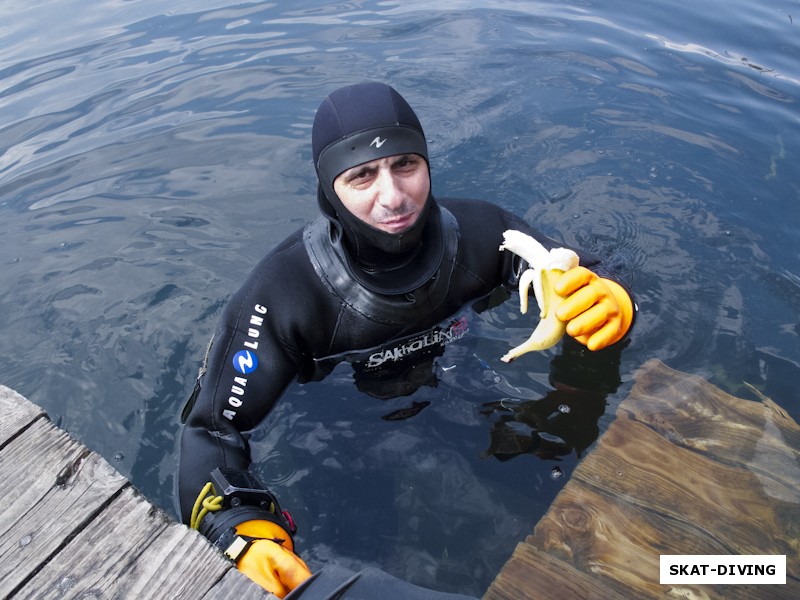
(684, 469)
(691, 413)
(52, 487)
(236, 586)
(532, 574)
(130, 550)
(72, 527)
(618, 531)
(18, 413)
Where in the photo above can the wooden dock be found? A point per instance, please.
(683, 469)
(72, 527)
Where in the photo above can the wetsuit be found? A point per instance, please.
(290, 321)
(341, 288)
(287, 319)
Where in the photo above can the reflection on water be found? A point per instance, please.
(151, 153)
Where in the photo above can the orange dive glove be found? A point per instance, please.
(598, 312)
(270, 560)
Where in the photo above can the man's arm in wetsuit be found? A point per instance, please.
(247, 372)
(253, 357)
(251, 361)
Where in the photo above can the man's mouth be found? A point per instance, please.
(398, 224)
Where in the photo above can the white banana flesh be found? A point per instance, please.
(545, 267)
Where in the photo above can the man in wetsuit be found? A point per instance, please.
(385, 261)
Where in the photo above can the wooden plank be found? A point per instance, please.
(684, 469)
(532, 574)
(620, 516)
(236, 586)
(726, 506)
(131, 550)
(72, 527)
(691, 413)
(52, 487)
(18, 413)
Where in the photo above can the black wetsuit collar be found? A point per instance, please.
(387, 263)
(390, 296)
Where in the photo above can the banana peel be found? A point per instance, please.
(550, 329)
(545, 267)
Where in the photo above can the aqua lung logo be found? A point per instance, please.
(245, 362)
(435, 337)
(378, 142)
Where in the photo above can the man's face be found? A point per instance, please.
(387, 193)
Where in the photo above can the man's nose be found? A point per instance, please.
(389, 194)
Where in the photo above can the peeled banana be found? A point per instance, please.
(545, 267)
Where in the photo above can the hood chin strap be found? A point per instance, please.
(386, 262)
(388, 296)
(363, 239)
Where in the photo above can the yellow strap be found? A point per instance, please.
(209, 501)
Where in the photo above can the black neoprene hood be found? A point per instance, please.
(354, 125)
(360, 123)
(365, 146)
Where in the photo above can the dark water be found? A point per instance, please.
(151, 152)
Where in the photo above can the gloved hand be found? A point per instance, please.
(598, 312)
(270, 561)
